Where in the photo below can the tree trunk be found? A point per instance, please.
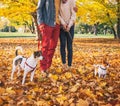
(33, 28)
(114, 32)
(118, 28)
(118, 19)
(9, 28)
(39, 36)
(30, 26)
(95, 28)
(25, 28)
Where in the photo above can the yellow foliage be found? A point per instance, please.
(94, 11)
(1, 102)
(9, 90)
(82, 102)
(61, 99)
(2, 90)
(68, 75)
(54, 77)
(76, 86)
(60, 89)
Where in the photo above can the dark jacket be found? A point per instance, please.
(46, 12)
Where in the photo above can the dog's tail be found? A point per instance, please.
(18, 48)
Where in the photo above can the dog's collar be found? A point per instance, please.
(102, 68)
(33, 68)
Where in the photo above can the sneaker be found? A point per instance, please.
(64, 66)
(69, 68)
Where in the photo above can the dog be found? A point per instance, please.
(26, 64)
(101, 70)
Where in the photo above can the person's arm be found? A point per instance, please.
(73, 14)
(63, 23)
(61, 20)
(40, 12)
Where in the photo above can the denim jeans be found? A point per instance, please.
(66, 39)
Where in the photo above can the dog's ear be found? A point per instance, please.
(37, 54)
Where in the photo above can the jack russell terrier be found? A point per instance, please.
(101, 69)
(26, 64)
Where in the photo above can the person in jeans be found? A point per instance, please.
(49, 26)
(67, 19)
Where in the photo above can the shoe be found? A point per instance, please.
(69, 68)
(64, 66)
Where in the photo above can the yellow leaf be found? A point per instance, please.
(75, 87)
(10, 91)
(102, 84)
(30, 97)
(80, 70)
(42, 103)
(99, 93)
(68, 75)
(61, 99)
(1, 102)
(59, 70)
(82, 102)
(36, 89)
(2, 90)
(53, 77)
(60, 89)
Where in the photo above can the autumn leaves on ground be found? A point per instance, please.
(75, 87)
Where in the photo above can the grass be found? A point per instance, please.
(16, 34)
(94, 36)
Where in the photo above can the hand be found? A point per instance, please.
(41, 26)
(68, 29)
(75, 9)
(64, 26)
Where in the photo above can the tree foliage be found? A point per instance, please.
(90, 12)
(102, 11)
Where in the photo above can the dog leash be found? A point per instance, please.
(39, 44)
(69, 35)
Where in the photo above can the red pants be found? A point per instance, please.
(49, 42)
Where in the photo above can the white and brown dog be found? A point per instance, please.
(26, 64)
(101, 69)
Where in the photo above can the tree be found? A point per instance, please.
(90, 12)
(100, 11)
(21, 11)
(118, 18)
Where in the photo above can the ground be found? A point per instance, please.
(75, 87)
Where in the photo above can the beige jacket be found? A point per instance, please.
(67, 14)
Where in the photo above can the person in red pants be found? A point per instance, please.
(49, 26)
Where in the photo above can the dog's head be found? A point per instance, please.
(38, 55)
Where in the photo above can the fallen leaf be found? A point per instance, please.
(82, 102)
(9, 90)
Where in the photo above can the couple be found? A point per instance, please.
(56, 17)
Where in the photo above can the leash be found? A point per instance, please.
(39, 44)
(69, 35)
(39, 36)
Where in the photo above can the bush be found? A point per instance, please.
(9, 29)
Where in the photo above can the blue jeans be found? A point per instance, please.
(66, 39)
